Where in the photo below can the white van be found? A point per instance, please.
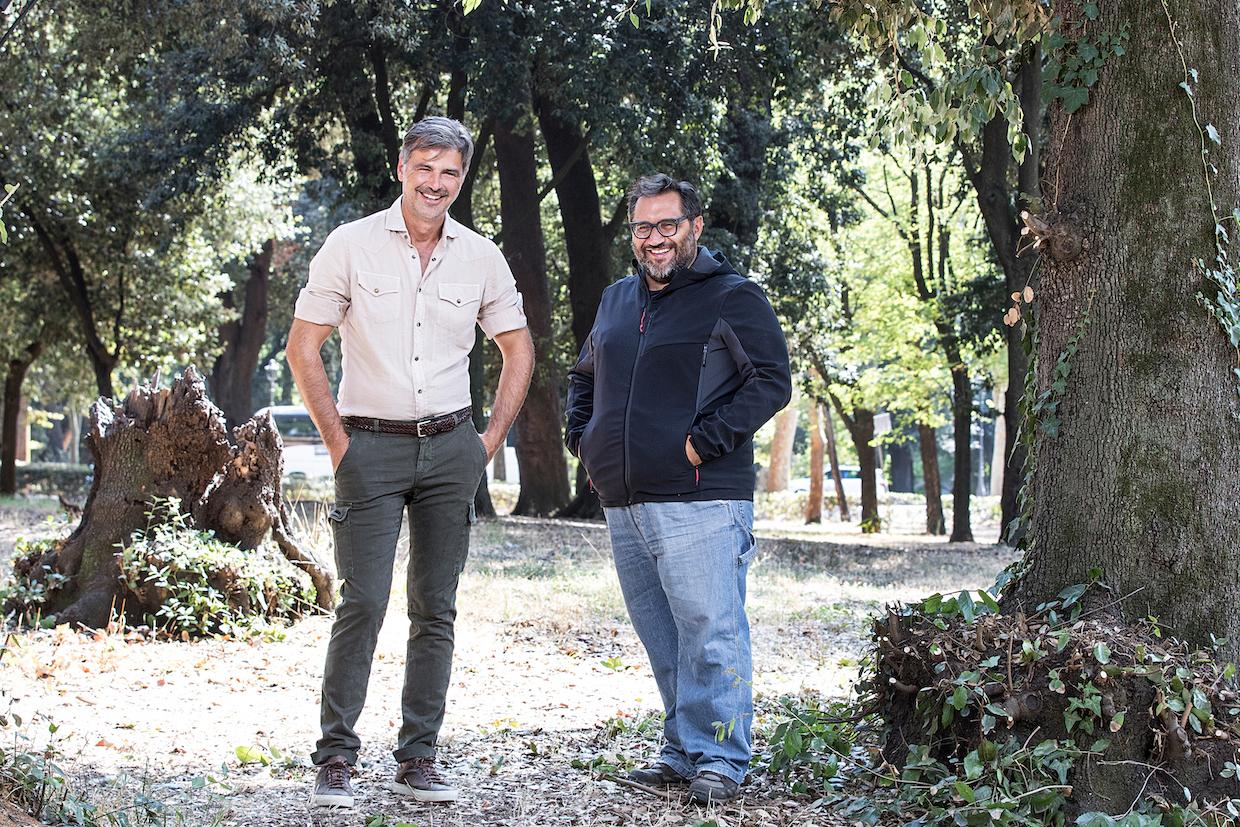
(305, 455)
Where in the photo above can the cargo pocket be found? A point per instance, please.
(471, 517)
(339, 519)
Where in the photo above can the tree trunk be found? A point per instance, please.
(232, 376)
(861, 428)
(836, 478)
(540, 453)
(962, 427)
(813, 506)
(780, 468)
(931, 482)
(13, 381)
(483, 506)
(587, 242)
(167, 443)
(1137, 468)
(901, 467)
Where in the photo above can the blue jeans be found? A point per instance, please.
(682, 568)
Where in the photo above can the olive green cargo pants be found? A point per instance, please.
(379, 477)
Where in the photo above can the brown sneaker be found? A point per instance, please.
(331, 785)
(418, 777)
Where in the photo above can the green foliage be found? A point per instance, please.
(808, 746)
(1075, 59)
(22, 598)
(208, 587)
(9, 189)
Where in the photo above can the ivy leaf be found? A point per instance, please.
(1213, 133)
(972, 766)
(1102, 652)
(634, 19)
(1074, 97)
(1091, 11)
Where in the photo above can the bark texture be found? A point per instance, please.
(813, 506)
(232, 377)
(833, 457)
(13, 380)
(168, 443)
(860, 427)
(780, 468)
(540, 452)
(931, 482)
(1141, 478)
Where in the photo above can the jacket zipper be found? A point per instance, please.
(628, 402)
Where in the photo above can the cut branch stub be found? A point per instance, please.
(1061, 239)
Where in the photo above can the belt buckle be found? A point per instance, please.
(420, 433)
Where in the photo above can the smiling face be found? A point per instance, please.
(430, 181)
(659, 257)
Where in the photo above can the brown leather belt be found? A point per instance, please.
(421, 427)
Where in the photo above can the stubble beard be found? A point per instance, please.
(684, 256)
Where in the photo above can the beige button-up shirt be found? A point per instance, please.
(407, 326)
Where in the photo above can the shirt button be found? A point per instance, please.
(419, 324)
(376, 291)
(416, 358)
(419, 390)
(434, 259)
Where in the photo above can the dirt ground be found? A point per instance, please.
(547, 671)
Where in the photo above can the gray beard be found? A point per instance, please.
(678, 263)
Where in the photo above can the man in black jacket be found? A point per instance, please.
(685, 362)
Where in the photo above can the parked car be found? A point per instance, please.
(305, 455)
(850, 476)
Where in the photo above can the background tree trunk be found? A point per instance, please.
(13, 403)
(1141, 478)
(540, 453)
(901, 465)
(861, 428)
(962, 430)
(780, 468)
(587, 242)
(167, 443)
(813, 506)
(931, 482)
(232, 376)
(836, 478)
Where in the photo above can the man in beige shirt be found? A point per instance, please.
(405, 287)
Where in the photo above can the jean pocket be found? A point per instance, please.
(742, 524)
(342, 544)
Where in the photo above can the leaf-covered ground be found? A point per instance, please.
(548, 672)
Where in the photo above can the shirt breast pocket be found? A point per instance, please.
(377, 297)
(457, 311)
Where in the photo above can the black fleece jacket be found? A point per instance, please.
(705, 358)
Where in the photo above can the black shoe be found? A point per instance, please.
(657, 775)
(713, 788)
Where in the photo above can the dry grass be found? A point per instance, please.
(546, 663)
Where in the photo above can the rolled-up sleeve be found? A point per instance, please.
(502, 309)
(326, 296)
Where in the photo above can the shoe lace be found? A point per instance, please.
(337, 775)
(427, 767)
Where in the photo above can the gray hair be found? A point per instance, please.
(439, 133)
(651, 185)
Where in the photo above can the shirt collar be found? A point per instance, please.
(394, 220)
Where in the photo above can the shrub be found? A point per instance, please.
(191, 584)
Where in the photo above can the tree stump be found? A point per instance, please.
(163, 443)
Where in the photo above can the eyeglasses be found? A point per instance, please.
(667, 227)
